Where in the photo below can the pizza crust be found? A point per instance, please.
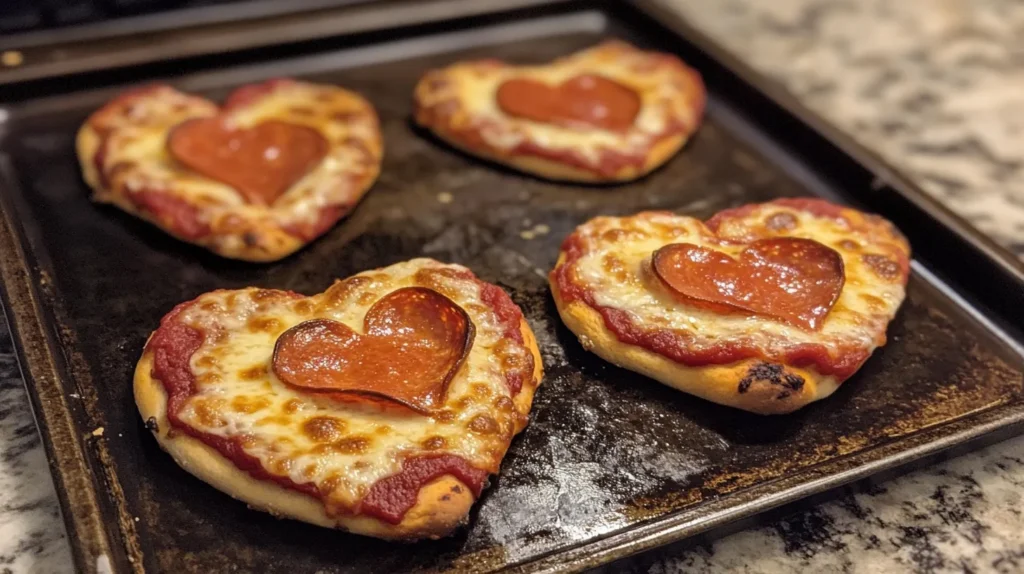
(87, 141)
(232, 228)
(607, 294)
(458, 104)
(716, 383)
(264, 243)
(559, 171)
(441, 506)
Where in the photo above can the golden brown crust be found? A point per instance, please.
(607, 294)
(152, 186)
(560, 171)
(716, 383)
(524, 400)
(442, 504)
(457, 104)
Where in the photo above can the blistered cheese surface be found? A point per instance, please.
(670, 94)
(344, 448)
(615, 269)
(136, 156)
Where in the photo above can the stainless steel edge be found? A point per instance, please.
(56, 60)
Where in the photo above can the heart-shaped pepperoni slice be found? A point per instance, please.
(588, 101)
(792, 279)
(413, 342)
(261, 162)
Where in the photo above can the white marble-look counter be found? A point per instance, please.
(935, 86)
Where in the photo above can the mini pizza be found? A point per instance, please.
(256, 179)
(380, 406)
(765, 307)
(610, 113)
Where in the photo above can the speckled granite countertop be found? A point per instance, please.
(935, 86)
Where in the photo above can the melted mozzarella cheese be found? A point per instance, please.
(615, 268)
(139, 144)
(343, 448)
(664, 92)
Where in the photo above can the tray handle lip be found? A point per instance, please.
(41, 365)
(886, 174)
(51, 62)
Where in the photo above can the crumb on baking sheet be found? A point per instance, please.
(445, 197)
(98, 431)
(12, 58)
(535, 231)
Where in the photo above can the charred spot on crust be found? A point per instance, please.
(761, 372)
(773, 374)
(457, 489)
(151, 425)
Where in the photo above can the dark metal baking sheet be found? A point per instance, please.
(611, 463)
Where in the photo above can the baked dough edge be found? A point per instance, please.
(553, 170)
(268, 243)
(716, 383)
(441, 506)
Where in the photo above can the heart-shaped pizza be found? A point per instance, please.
(606, 114)
(765, 307)
(256, 179)
(379, 406)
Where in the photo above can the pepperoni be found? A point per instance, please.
(179, 216)
(173, 345)
(583, 101)
(510, 318)
(414, 341)
(390, 498)
(261, 162)
(792, 279)
(840, 362)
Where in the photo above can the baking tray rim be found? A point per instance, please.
(43, 368)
